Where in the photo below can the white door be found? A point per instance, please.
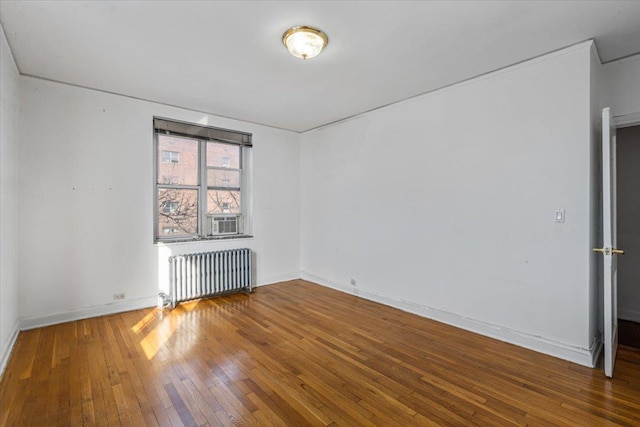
(609, 251)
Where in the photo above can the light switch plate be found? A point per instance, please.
(560, 215)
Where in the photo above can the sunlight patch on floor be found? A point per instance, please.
(144, 322)
(163, 331)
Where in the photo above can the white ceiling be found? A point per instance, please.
(226, 58)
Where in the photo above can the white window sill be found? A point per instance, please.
(204, 239)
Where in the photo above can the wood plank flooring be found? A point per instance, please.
(297, 354)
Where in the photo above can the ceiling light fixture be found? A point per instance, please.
(304, 42)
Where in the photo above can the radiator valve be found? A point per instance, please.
(164, 300)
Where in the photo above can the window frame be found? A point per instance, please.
(202, 186)
(227, 168)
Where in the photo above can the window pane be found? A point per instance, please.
(221, 201)
(223, 178)
(177, 212)
(223, 155)
(177, 160)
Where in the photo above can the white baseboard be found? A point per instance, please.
(120, 306)
(581, 356)
(631, 315)
(277, 278)
(87, 312)
(7, 347)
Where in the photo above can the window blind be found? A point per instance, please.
(208, 133)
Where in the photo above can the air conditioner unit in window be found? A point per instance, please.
(224, 224)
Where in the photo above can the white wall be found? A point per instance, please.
(86, 202)
(621, 88)
(8, 201)
(444, 205)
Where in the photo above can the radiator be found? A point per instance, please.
(209, 274)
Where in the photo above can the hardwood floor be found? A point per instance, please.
(298, 354)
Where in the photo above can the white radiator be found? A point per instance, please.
(207, 274)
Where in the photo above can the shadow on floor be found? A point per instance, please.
(629, 333)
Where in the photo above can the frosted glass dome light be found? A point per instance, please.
(304, 42)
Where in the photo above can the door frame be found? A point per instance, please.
(618, 122)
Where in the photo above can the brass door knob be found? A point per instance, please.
(608, 251)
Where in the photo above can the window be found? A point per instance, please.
(170, 207)
(170, 156)
(199, 173)
(170, 230)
